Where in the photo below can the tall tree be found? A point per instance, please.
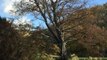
(52, 12)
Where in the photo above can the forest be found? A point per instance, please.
(70, 29)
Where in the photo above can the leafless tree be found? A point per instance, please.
(52, 12)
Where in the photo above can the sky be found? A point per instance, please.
(97, 2)
(6, 5)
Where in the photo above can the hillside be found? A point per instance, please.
(85, 34)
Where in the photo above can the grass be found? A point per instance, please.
(92, 58)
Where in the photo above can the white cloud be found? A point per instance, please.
(23, 20)
(8, 8)
(8, 5)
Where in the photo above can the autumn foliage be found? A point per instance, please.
(87, 28)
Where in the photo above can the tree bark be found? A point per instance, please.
(63, 52)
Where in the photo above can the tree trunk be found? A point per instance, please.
(63, 52)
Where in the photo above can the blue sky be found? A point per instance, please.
(5, 6)
(97, 2)
(5, 3)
